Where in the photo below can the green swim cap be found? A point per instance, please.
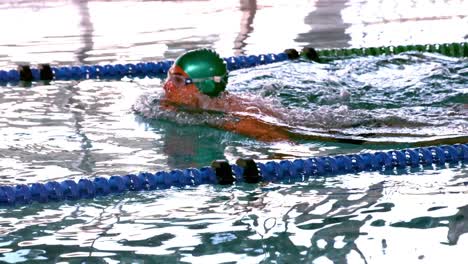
(206, 69)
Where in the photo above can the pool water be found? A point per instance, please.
(74, 129)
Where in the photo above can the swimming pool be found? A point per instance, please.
(74, 129)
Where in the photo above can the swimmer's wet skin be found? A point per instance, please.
(197, 82)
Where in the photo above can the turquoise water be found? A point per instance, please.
(74, 129)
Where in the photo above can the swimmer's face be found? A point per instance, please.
(177, 88)
(177, 80)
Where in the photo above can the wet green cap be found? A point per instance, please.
(206, 69)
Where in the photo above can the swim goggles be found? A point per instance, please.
(180, 80)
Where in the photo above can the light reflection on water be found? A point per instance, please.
(79, 31)
(367, 217)
(75, 129)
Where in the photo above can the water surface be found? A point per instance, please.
(75, 129)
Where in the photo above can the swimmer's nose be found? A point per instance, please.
(169, 86)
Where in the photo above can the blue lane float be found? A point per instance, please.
(244, 171)
(45, 72)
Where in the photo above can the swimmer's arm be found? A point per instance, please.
(264, 131)
(258, 129)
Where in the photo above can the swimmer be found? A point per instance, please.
(198, 80)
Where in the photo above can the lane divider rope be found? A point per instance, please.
(244, 171)
(45, 72)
